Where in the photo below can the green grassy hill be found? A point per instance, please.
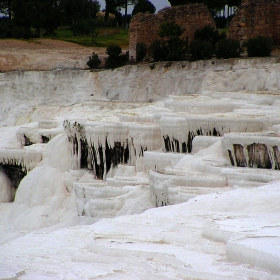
(106, 36)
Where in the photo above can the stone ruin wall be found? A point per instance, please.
(144, 27)
(254, 18)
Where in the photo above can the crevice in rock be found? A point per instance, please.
(27, 141)
(45, 139)
(14, 172)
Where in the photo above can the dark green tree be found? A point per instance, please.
(200, 50)
(111, 7)
(215, 5)
(171, 46)
(45, 16)
(6, 8)
(209, 34)
(124, 4)
(78, 10)
(234, 3)
(115, 58)
(228, 48)
(21, 13)
(93, 61)
(181, 2)
(143, 6)
(259, 46)
(211, 4)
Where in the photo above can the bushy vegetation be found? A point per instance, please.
(209, 34)
(228, 48)
(46, 16)
(5, 29)
(21, 32)
(201, 50)
(204, 44)
(158, 50)
(141, 51)
(93, 61)
(171, 47)
(207, 42)
(143, 6)
(82, 27)
(259, 46)
(115, 57)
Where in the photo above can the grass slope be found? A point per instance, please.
(106, 36)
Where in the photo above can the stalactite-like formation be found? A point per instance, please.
(253, 151)
(15, 173)
(103, 146)
(16, 163)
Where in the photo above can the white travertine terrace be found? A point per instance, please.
(26, 158)
(106, 150)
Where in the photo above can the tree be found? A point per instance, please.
(209, 34)
(45, 16)
(211, 4)
(143, 6)
(79, 10)
(115, 58)
(93, 61)
(110, 8)
(124, 4)
(6, 8)
(21, 13)
(215, 5)
(180, 2)
(171, 47)
(234, 3)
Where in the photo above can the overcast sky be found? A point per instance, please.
(159, 4)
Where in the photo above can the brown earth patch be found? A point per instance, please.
(49, 54)
(44, 54)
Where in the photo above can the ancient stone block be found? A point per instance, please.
(254, 18)
(144, 27)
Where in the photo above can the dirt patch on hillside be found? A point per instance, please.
(44, 54)
(49, 54)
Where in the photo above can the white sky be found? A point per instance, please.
(159, 4)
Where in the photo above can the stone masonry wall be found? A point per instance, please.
(254, 18)
(144, 27)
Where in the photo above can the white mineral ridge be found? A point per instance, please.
(228, 226)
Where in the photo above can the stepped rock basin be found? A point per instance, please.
(153, 171)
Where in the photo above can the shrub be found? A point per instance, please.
(83, 27)
(260, 46)
(93, 61)
(141, 51)
(171, 47)
(209, 34)
(21, 32)
(200, 50)
(5, 29)
(115, 59)
(227, 48)
(123, 58)
(158, 50)
(221, 22)
(176, 48)
(170, 30)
